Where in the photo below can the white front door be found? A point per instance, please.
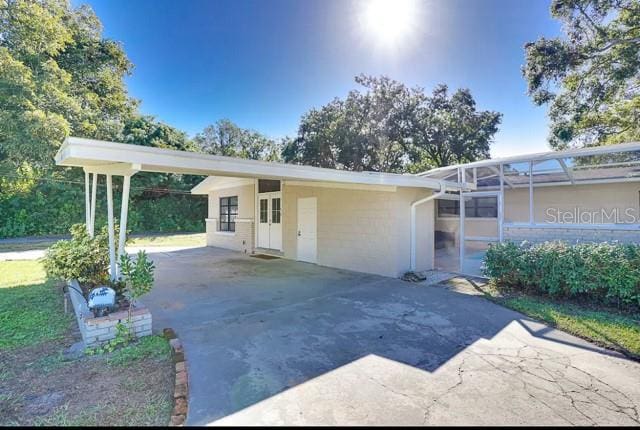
(307, 229)
(270, 220)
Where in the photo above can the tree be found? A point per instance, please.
(58, 75)
(591, 77)
(146, 131)
(226, 138)
(365, 131)
(392, 128)
(449, 129)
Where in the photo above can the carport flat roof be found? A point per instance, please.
(111, 157)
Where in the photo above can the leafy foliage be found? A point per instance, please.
(137, 275)
(83, 257)
(392, 128)
(591, 77)
(153, 347)
(226, 138)
(60, 76)
(602, 272)
(123, 337)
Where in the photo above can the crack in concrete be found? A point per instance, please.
(556, 378)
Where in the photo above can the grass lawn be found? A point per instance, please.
(186, 239)
(39, 385)
(189, 239)
(603, 326)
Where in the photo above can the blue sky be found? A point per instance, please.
(263, 64)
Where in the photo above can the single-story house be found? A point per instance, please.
(386, 223)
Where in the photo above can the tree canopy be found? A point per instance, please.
(590, 78)
(58, 75)
(392, 128)
(226, 138)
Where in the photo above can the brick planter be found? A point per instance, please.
(97, 330)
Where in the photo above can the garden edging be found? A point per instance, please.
(181, 386)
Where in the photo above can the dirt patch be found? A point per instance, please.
(39, 386)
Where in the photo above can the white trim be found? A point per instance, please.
(217, 183)
(117, 169)
(124, 210)
(576, 183)
(482, 239)
(501, 205)
(567, 170)
(93, 204)
(256, 214)
(237, 219)
(341, 186)
(449, 196)
(531, 213)
(87, 202)
(456, 218)
(224, 233)
(500, 173)
(112, 247)
(544, 156)
(624, 227)
(461, 250)
(88, 152)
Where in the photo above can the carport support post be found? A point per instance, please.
(112, 250)
(124, 209)
(531, 217)
(501, 205)
(92, 222)
(461, 244)
(87, 203)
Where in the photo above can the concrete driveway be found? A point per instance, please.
(280, 342)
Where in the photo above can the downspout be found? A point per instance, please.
(413, 221)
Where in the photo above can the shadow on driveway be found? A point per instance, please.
(283, 342)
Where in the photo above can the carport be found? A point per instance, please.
(402, 222)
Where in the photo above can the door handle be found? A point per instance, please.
(299, 233)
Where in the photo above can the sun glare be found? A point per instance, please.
(389, 23)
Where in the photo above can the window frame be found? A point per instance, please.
(226, 222)
(471, 209)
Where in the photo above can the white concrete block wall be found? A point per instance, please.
(242, 239)
(361, 230)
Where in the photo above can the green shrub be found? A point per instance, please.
(602, 272)
(82, 257)
(137, 275)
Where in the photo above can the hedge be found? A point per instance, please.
(52, 208)
(598, 272)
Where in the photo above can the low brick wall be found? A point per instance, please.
(98, 330)
(539, 234)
